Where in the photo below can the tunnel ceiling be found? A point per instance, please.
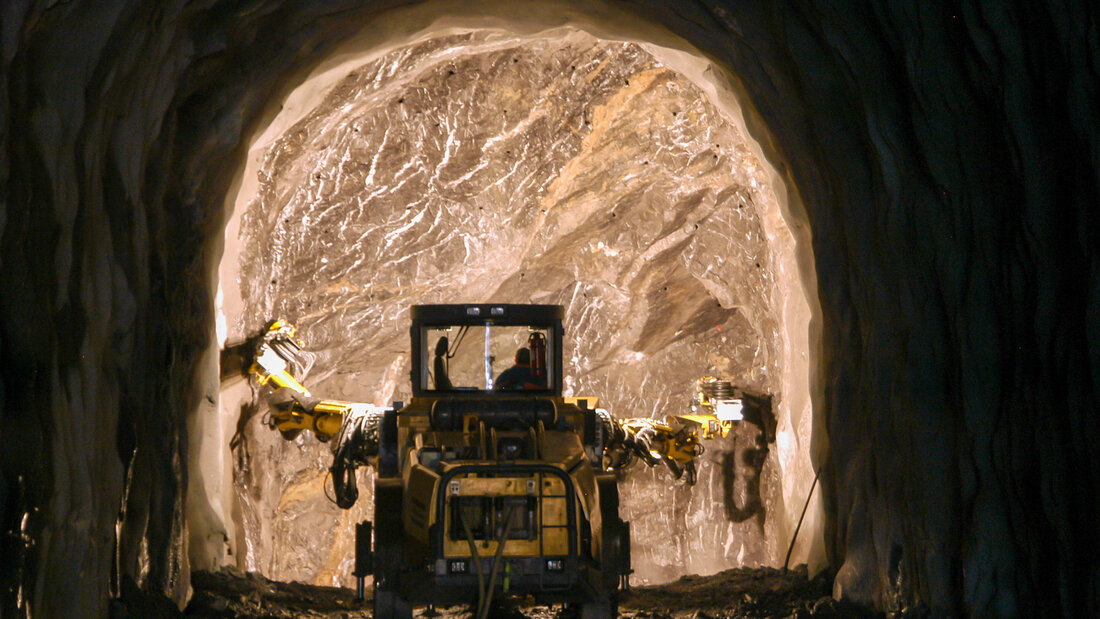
(557, 169)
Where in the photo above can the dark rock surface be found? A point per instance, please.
(946, 156)
(232, 593)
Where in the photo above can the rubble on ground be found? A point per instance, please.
(754, 593)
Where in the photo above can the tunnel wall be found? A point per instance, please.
(947, 159)
(122, 124)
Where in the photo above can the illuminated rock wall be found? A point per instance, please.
(556, 169)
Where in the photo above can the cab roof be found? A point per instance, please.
(479, 313)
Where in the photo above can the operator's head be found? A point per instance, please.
(523, 356)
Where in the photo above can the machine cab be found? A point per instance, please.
(489, 475)
(479, 350)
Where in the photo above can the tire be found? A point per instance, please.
(388, 605)
(614, 536)
(613, 554)
(389, 551)
(603, 609)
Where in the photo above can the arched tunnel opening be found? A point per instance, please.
(543, 167)
(940, 161)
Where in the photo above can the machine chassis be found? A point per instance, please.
(414, 552)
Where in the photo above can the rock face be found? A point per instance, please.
(947, 160)
(557, 169)
(952, 197)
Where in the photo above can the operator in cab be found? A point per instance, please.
(519, 376)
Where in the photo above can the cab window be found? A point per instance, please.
(485, 357)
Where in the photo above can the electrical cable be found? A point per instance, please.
(483, 610)
(453, 350)
(794, 537)
(331, 498)
(476, 559)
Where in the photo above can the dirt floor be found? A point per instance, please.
(752, 593)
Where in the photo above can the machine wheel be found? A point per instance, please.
(389, 551)
(614, 536)
(606, 607)
(387, 605)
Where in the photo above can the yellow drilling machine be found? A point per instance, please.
(488, 482)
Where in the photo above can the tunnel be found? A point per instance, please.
(932, 173)
(525, 165)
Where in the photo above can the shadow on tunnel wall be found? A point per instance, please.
(947, 158)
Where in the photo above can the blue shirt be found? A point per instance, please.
(515, 377)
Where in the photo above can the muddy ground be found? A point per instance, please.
(752, 593)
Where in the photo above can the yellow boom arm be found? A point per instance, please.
(675, 440)
(278, 361)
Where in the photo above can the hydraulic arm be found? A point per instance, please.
(486, 472)
(675, 440)
(278, 362)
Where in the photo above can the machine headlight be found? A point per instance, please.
(728, 410)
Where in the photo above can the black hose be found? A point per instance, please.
(483, 609)
(474, 557)
(790, 548)
(343, 481)
(356, 441)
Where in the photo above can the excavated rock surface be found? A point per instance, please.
(555, 169)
